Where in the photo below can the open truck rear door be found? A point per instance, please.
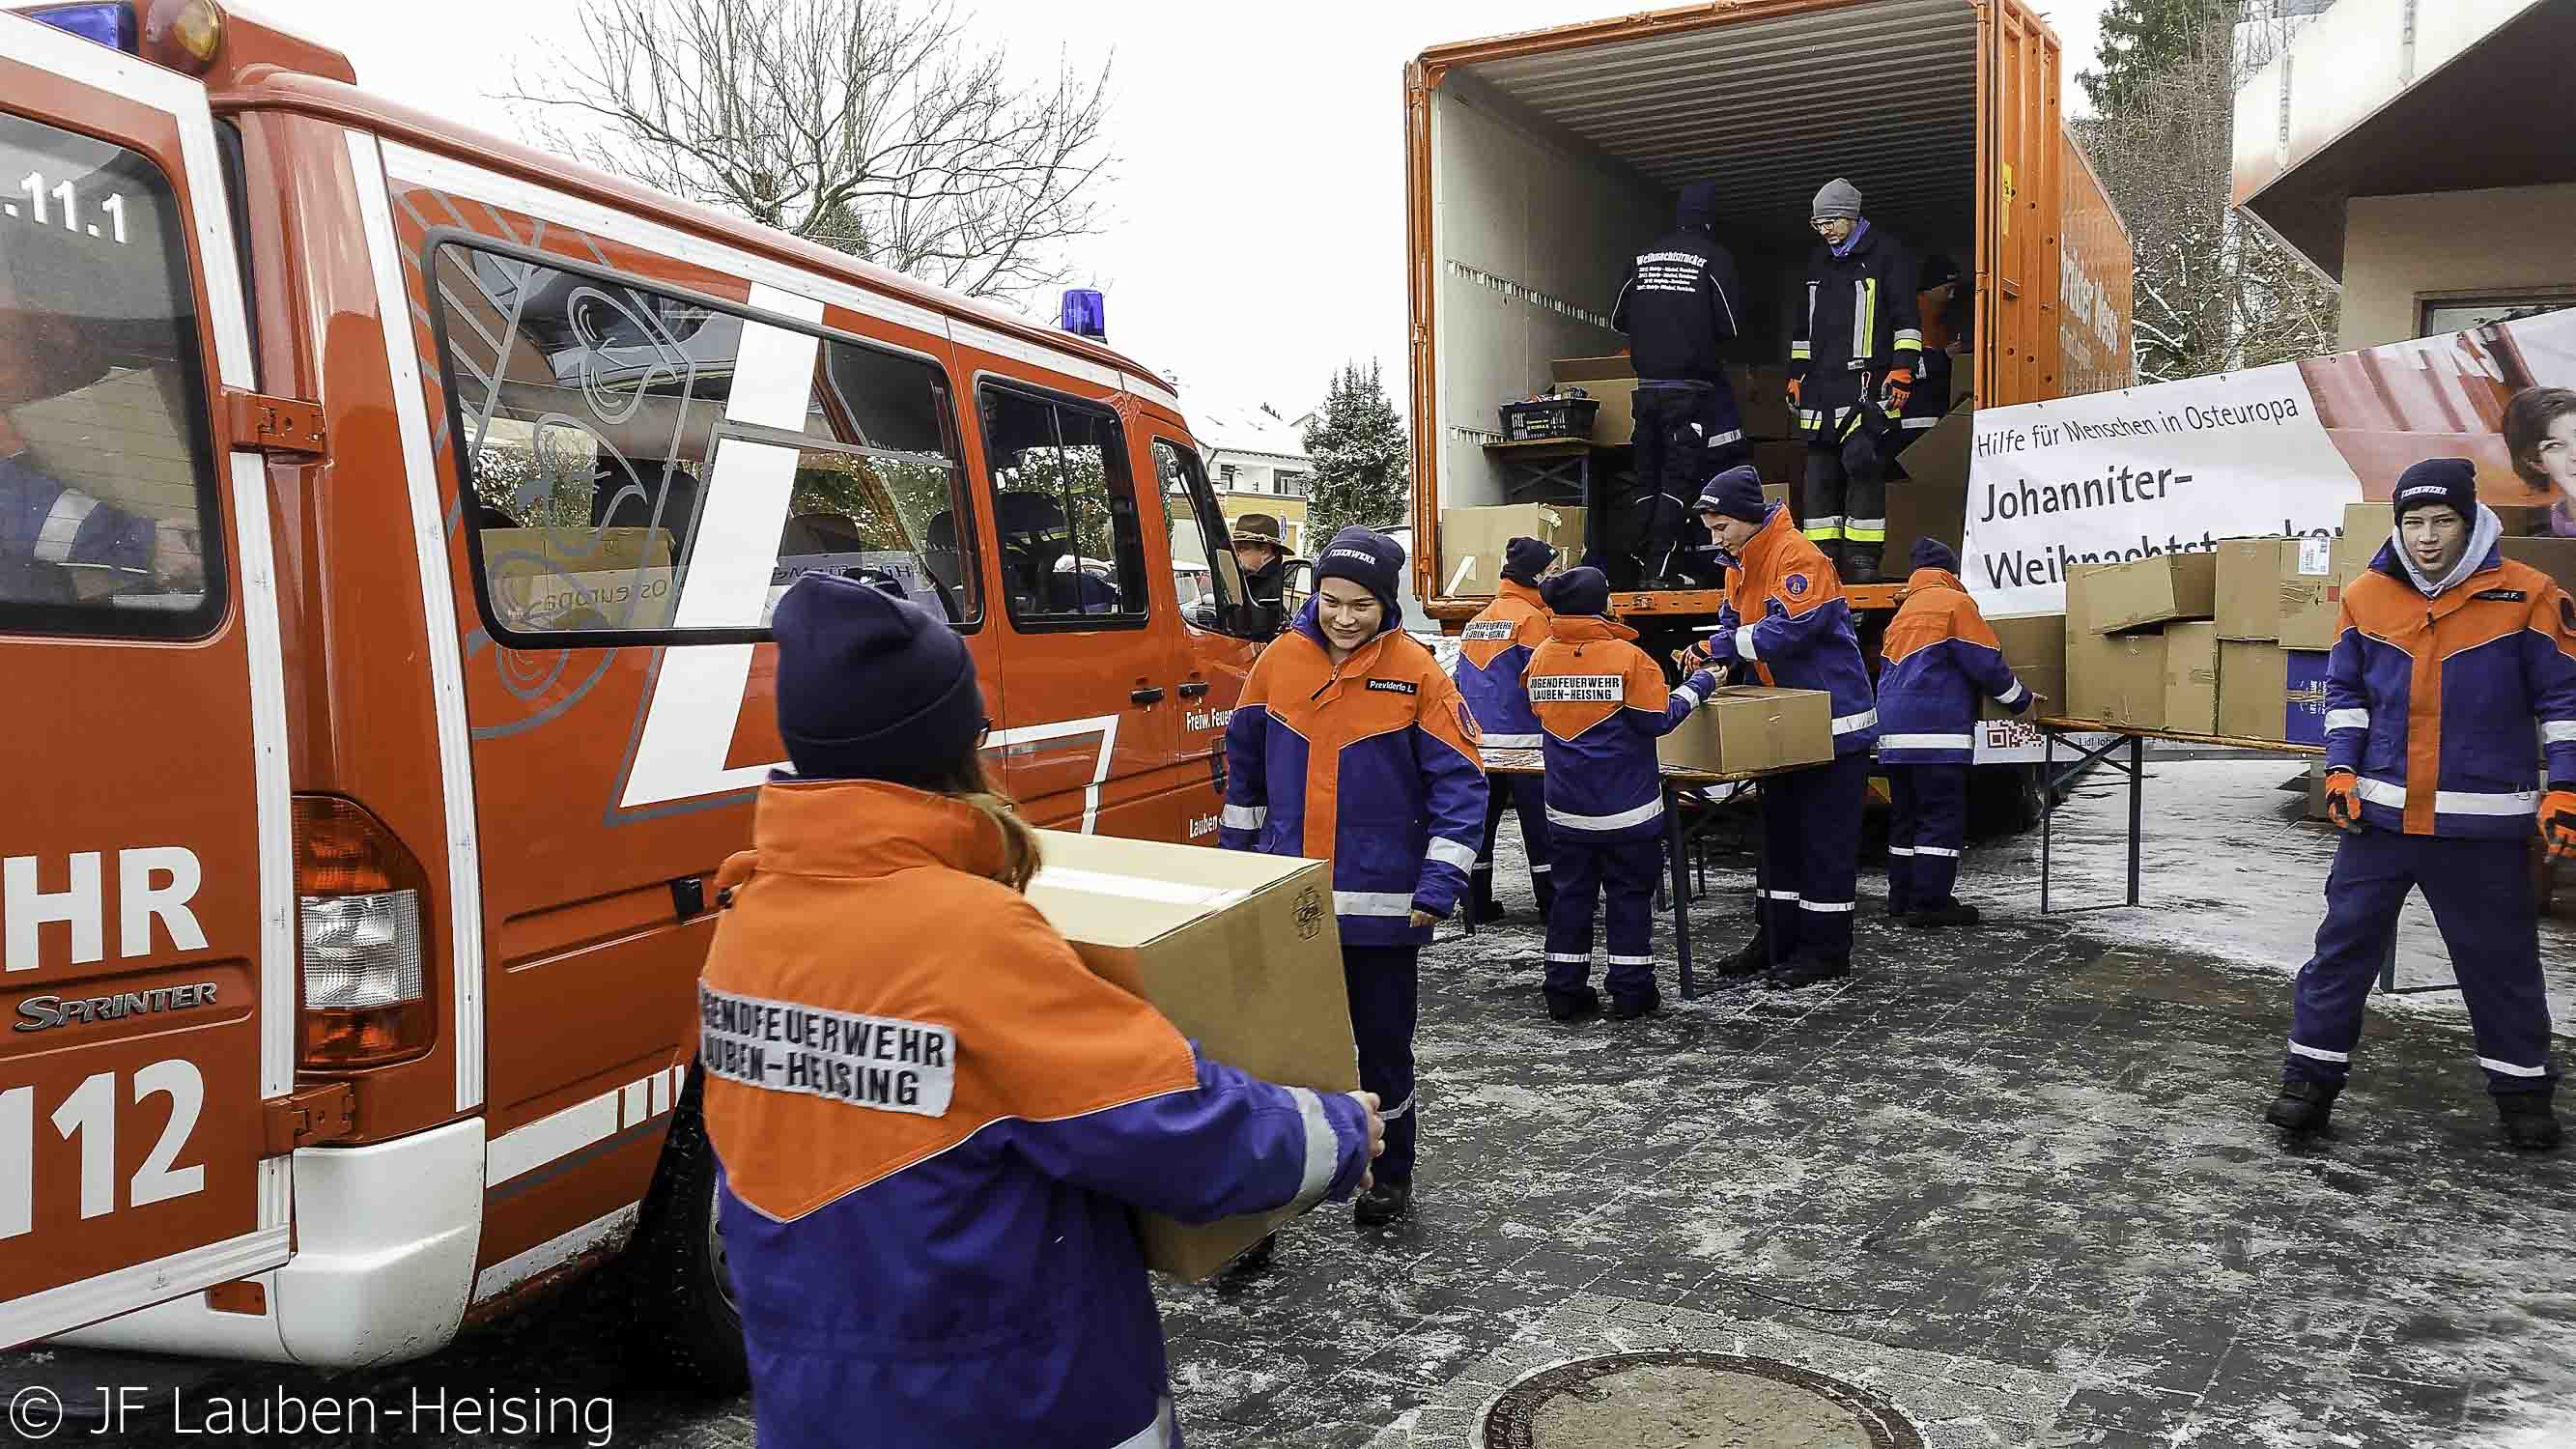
(147, 915)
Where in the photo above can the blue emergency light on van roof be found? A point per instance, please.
(1084, 314)
(107, 24)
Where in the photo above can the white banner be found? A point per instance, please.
(2171, 468)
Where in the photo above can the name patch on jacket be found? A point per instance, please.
(1487, 632)
(1578, 689)
(879, 1062)
(1395, 686)
(2503, 596)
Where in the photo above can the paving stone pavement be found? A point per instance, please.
(2014, 1178)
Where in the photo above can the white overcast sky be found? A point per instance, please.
(1257, 236)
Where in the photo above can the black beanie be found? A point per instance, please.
(1698, 205)
(2439, 480)
(1932, 553)
(871, 687)
(1524, 559)
(1737, 493)
(1369, 559)
(1578, 591)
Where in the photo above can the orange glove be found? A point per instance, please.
(2558, 823)
(1793, 391)
(2343, 801)
(1900, 386)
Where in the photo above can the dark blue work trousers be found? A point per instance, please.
(1811, 841)
(1623, 872)
(1525, 795)
(1385, 989)
(2480, 892)
(1927, 824)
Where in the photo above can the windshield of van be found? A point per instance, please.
(106, 466)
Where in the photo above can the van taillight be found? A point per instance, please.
(359, 941)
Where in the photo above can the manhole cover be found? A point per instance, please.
(1683, 1400)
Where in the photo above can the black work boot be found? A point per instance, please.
(1859, 563)
(2528, 1123)
(1383, 1203)
(1629, 1008)
(1488, 910)
(1753, 960)
(1571, 1005)
(1805, 969)
(2303, 1107)
(1255, 1258)
(1832, 549)
(1948, 911)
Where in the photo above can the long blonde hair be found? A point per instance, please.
(970, 781)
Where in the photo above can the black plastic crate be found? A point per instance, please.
(1549, 417)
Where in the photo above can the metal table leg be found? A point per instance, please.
(1680, 887)
(2047, 807)
(2137, 808)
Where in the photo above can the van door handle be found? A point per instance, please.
(1151, 695)
(1195, 689)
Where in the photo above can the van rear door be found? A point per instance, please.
(146, 898)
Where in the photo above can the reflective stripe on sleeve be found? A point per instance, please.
(1689, 694)
(1244, 817)
(1323, 1150)
(2347, 719)
(1372, 903)
(2014, 695)
(1744, 648)
(62, 524)
(1451, 852)
(1845, 724)
(2558, 731)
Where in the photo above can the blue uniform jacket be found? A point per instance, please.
(2432, 700)
(1374, 766)
(1939, 658)
(1493, 654)
(1601, 706)
(1785, 619)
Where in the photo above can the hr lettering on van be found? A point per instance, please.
(884, 1063)
(69, 894)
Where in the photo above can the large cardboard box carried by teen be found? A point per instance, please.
(2035, 647)
(1472, 540)
(1239, 950)
(2150, 591)
(1747, 727)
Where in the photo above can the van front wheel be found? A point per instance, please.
(685, 1326)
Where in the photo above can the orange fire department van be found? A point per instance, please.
(389, 522)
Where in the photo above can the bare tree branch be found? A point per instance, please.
(876, 127)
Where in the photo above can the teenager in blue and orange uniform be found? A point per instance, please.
(2446, 655)
(1349, 744)
(930, 1118)
(1493, 653)
(1601, 705)
(1786, 622)
(1940, 657)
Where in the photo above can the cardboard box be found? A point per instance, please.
(2253, 679)
(1921, 508)
(2249, 588)
(1239, 950)
(2555, 557)
(1753, 727)
(2191, 678)
(2146, 592)
(1784, 463)
(2116, 678)
(2303, 697)
(1762, 399)
(2309, 600)
(1472, 539)
(1779, 493)
(1612, 382)
(2035, 647)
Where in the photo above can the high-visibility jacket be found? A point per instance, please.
(1793, 628)
(1492, 655)
(1601, 704)
(2432, 701)
(1373, 766)
(1862, 319)
(1939, 657)
(931, 1122)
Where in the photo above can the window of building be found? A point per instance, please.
(1073, 553)
(2459, 314)
(1225, 476)
(108, 519)
(643, 462)
(1290, 485)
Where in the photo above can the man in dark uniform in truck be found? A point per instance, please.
(1853, 356)
(1681, 303)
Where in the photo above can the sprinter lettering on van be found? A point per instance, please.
(153, 883)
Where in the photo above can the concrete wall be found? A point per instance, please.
(2398, 249)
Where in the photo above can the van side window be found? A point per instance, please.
(1212, 589)
(108, 520)
(644, 464)
(1073, 551)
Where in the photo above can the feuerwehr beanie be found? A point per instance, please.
(1839, 198)
(1578, 591)
(2439, 480)
(1369, 559)
(1736, 493)
(1524, 559)
(1932, 553)
(871, 687)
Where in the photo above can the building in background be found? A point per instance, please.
(1256, 458)
(2417, 151)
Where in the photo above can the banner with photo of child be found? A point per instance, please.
(2178, 466)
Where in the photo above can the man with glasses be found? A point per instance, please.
(1852, 365)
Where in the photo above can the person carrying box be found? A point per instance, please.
(1939, 657)
(1852, 359)
(1785, 621)
(1350, 745)
(1492, 655)
(2446, 655)
(931, 1118)
(1601, 705)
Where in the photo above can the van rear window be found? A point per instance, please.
(108, 524)
(649, 465)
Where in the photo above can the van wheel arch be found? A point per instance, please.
(684, 1326)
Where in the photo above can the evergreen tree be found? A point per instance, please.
(1362, 461)
(2144, 39)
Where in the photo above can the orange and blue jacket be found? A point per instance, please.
(1601, 704)
(2431, 693)
(1374, 766)
(1939, 657)
(931, 1119)
(1493, 654)
(1792, 627)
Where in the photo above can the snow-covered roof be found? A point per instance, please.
(1245, 429)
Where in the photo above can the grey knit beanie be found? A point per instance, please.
(1839, 198)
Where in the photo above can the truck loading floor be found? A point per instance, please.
(2011, 1183)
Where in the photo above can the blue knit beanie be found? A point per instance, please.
(1524, 559)
(2453, 481)
(1737, 493)
(1578, 591)
(871, 687)
(1369, 559)
(1932, 553)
